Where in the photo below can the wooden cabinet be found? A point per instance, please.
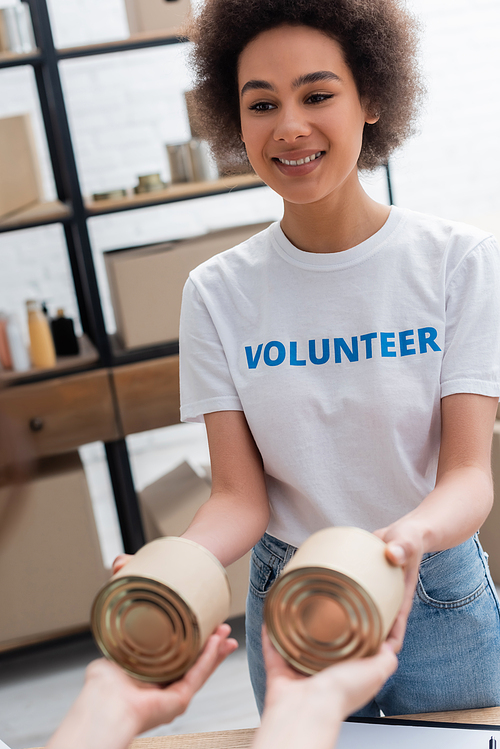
(58, 415)
(147, 394)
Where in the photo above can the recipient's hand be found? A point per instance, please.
(307, 710)
(404, 549)
(113, 707)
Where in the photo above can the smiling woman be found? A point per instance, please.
(301, 116)
(345, 360)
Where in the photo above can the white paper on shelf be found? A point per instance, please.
(3, 746)
(382, 736)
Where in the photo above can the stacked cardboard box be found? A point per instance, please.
(50, 557)
(20, 181)
(156, 15)
(146, 283)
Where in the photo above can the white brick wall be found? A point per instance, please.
(123, 108)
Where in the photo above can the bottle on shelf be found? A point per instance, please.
(18, 351)
(5, 355)
(43, 353)
(63, 333)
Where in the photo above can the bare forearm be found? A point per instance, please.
(95, 720)
(455, 509)
(228, 527)
(297, 723)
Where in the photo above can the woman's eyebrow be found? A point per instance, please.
(319, 75)
(255, 84)
(302, 80)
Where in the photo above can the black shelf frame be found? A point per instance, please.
(45, 64)
(33, 58)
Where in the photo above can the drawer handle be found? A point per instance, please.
(36, 424)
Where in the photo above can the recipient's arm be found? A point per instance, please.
(308, 711)
(113, 708)
(237, 513)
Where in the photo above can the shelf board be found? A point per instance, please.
(174, 193)
(142, 353)
(36, 214)
(13, 59)
(135, 41)
(88, 355)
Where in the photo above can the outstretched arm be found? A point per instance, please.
(461, 500)
(113, 708)
(237, 513)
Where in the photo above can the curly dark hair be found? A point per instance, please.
(379, 41)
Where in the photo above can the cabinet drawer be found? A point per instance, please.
(148, 394)
(58, 415)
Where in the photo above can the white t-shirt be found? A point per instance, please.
(339, 361)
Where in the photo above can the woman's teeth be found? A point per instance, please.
(299, 162)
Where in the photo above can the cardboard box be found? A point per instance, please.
(4, 34)
(156, 15)
(489, 534)
(146, 283)
(50, 557)
(20, 180)
(168, 506)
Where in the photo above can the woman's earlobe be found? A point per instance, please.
(372, 116)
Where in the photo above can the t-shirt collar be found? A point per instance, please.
(334, 260)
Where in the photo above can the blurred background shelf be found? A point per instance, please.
(12, 59)
(135, 41)
(173, 193)
(87, 357)
(39, 214)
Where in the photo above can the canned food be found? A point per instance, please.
(149, 183)
(180, 162)
(337, 598)
(110, 195)
(154, 616)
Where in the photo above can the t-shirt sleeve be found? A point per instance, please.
(205, 381)
(471, 361)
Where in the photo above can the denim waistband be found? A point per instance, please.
(279, 548)
(285, 551)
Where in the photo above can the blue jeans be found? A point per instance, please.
(450, 659)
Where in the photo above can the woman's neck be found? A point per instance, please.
(333, 225)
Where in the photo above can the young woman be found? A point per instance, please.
(346, 361)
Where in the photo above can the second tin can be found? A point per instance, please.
(154, 616)
(337, 598)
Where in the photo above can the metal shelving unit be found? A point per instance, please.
(72, 212)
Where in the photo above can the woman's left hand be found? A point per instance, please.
(404, 549)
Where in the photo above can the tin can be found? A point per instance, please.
(154, 616)
(110, 194)
(337, 598)
(180, 163)
(149, 183)
(204, 166)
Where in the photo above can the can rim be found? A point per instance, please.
(285, 581)
(97, 629)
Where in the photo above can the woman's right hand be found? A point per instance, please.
(120, 562)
